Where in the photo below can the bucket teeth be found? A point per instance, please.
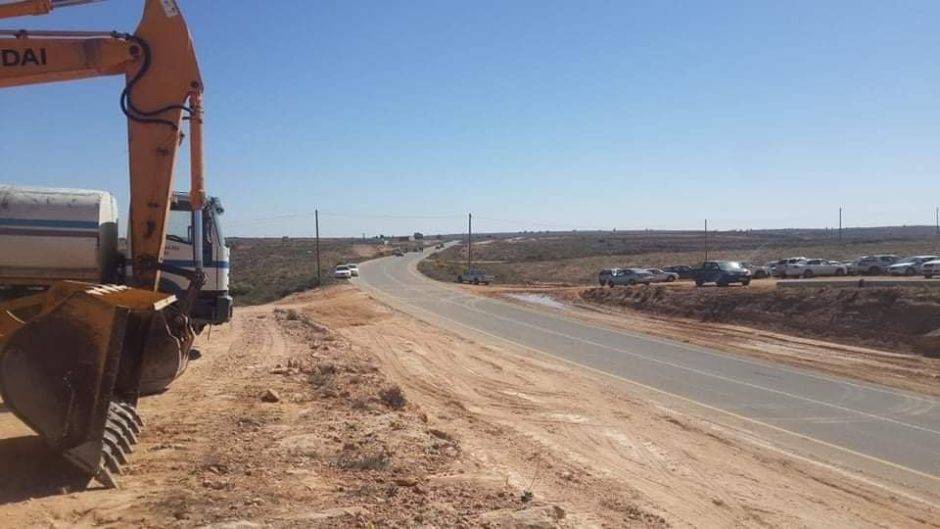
(131, 411)
(112, 446)
(118, 434)
(125, 429)
(126, 418)
(105, 477)
(109, 460)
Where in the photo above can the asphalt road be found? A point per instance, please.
(854, 424)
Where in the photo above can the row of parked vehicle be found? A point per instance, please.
(724, 273)
(926, 265)
(634, 276)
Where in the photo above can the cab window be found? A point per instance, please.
(179, 227)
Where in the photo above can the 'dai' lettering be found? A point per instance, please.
(26, 57)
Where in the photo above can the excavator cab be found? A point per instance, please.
(75, 358)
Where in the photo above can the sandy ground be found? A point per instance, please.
(901, 370)
(485, 437)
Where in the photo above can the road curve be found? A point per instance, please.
(879, 430)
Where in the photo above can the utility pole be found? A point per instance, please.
(316, 221)
(706, 239)
(469, 241)
(840, 225)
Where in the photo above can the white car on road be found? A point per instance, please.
(342, 272)
(910, 266)
(353, 269)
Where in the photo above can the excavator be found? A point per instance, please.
(74, 357)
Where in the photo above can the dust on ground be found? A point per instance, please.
(477, 436)
(281, 423)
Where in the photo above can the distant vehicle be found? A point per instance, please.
(342, 272)
(603, 277)
(722, 273)
(353, 269)
(398, 253)
(851, 267)
(757, 271)
(875, 264)
(440, 246)
(684, 271)
(782, 269)
(661, 276)
(823, 267)
(475, 276)
(930, 268)
(630, 277)
(910, 266)
(772, 266)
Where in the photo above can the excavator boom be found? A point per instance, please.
(74, 359)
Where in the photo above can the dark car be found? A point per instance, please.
(722, 273)
(604, 276)
(684, 271)
(476, 277)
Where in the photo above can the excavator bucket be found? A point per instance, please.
(73, 362)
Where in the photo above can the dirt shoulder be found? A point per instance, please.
(478, 437)
(608, 453)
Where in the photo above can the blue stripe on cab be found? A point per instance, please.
(50, 223)
(185, 263)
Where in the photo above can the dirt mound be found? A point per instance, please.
(893, 318)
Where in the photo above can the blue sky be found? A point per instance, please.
(531, 114)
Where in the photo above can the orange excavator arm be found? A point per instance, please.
(74, 359)
(162, 84)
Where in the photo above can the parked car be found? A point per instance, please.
(661, 276)
(930, 268)
(772, 267)
(757, 271)
(851, 267)
(684, 271)
(630, 277)
(784, 266)
(399, 253)
(910, 266)
(342, 272)
(875, 264)
(722, 273)
(604, 276)
(475, 276)
(821, 267)
(353, 269)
